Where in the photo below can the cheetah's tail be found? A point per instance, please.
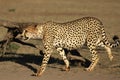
(106, 42)
(115, 44)
(116, 40)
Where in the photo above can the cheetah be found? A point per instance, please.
(70, 35)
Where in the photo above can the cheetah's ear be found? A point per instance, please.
(40, 31)
(40, 28)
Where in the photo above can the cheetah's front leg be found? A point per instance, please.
(44, 64)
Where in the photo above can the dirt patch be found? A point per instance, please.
(21, 65)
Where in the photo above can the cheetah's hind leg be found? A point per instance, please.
(109, 53)
(95, 58)
(108, 49)
(62, 54)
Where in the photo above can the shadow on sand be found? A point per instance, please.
(24, 59)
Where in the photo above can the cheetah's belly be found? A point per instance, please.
(74, 42)
(69, 43)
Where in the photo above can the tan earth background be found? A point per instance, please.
(22, 61)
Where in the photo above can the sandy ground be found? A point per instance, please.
(21, 65)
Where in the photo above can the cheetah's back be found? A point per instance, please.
(74, 34)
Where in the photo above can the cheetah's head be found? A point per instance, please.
(32, 32)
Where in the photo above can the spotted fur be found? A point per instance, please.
(71, 35)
